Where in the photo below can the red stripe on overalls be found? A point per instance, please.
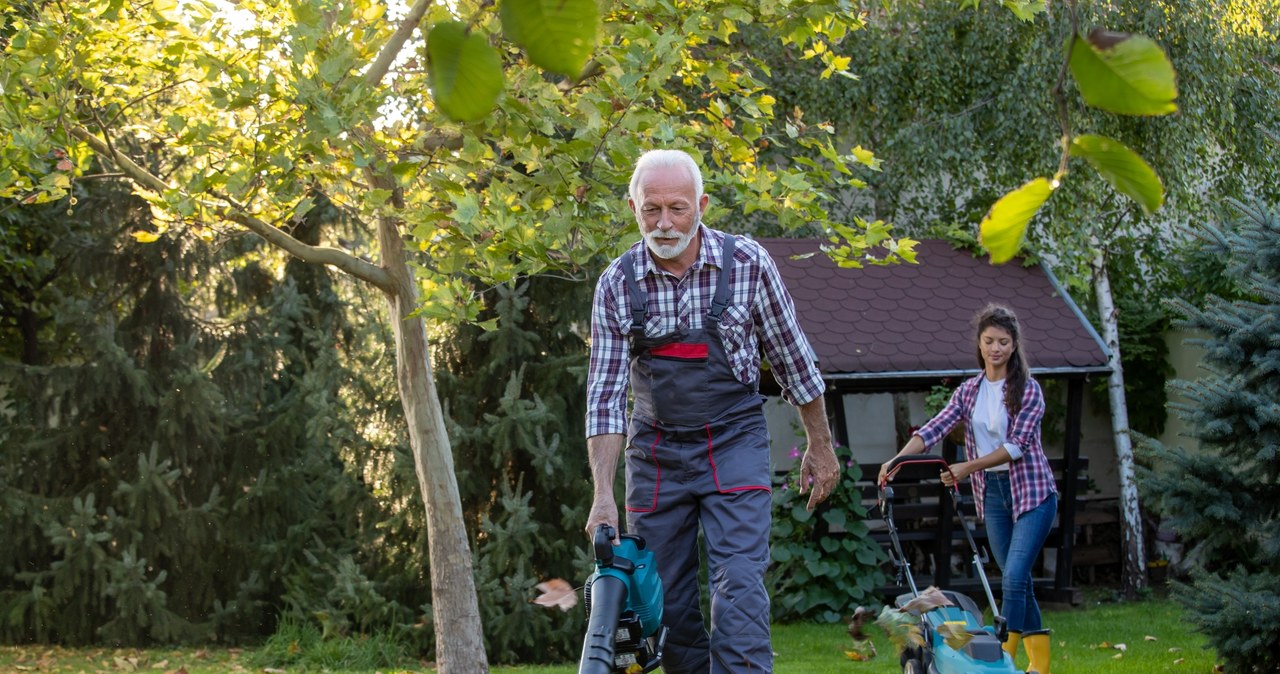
(681, 351)
(711, 458)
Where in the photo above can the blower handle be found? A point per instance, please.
(603, 544)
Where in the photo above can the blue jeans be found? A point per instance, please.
(1016, 545)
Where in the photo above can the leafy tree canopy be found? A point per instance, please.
(253, 105)
(955, 102)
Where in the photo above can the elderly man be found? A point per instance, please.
(679, 320)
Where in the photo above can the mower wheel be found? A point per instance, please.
(912, 666)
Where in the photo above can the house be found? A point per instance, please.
(885, 336)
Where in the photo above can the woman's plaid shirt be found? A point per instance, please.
(1030, 477)
(760, 314)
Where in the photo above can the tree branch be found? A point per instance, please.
(333, 257)
(393, 46)
(589, 72)
(1060, 97)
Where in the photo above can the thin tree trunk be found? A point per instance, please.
(459, 633)
(1135, 557)
(901, 418)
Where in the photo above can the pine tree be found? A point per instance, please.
(515, 397)
(1223, 497)
(183, 453)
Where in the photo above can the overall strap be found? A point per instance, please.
(721, 300)
(639, 306)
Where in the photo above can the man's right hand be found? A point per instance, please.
(603, 511)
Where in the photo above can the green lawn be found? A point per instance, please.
(1087, 638)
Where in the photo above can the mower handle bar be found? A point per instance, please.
(886, 508)
(917, 460)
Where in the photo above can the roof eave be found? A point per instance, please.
(945, 374)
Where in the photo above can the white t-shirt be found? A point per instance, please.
(991, 422)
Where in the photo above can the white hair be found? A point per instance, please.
(664, 159)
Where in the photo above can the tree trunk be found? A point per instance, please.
(459, 633)
(1135, 557)
(901, 418)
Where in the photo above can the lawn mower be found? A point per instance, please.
(623, 598)
(982, 651)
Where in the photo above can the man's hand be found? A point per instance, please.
(819, 472)
(603, 511)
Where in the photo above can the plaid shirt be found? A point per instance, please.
(1030, 477)
(760, 312)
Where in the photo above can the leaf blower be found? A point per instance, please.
(623, 598)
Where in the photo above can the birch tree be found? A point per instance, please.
(957, 124)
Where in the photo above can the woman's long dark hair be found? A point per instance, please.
(999, 316)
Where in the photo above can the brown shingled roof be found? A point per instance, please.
(910, 321)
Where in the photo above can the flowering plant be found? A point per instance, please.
(825, 562)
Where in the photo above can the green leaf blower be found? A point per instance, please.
(623, 598)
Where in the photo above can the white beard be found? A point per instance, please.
(664, 247)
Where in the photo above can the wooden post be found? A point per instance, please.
(1070, 478)
(946, 526)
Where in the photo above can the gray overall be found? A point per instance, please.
(698, 455)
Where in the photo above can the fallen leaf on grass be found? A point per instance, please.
(863, 649)
(1149, 638)
(856, 656)
(556, 592)
(1121, 647)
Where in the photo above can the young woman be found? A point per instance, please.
(1013, 486)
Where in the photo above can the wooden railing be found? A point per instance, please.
(930, 531)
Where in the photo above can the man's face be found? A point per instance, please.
(669, 212)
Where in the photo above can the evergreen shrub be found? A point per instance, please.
(1223, 497)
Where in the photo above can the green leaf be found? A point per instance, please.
(465, 72)
(557, 35)
(1123, 168)
(835, 517)
(1002, 229)
(1024, 9)
(866, 556)
(1122, 73)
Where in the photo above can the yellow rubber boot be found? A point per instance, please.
(1037, 645)
(1010, 645)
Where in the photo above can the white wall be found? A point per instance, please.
(1185, 359)
(869, 418)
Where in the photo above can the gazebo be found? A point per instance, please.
(909, 327)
